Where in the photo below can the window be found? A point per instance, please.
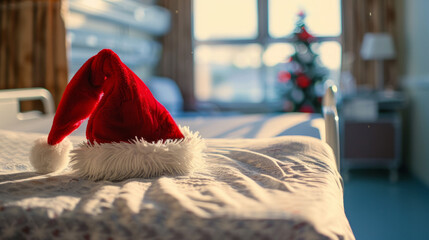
(239, 45)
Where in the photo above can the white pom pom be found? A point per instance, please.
(47, 158)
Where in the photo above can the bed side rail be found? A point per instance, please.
(9, 104)
(330, 114)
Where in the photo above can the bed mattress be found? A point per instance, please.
(219, 125)
(268, 188)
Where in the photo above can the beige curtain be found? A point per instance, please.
(359, 17)
(177, 58)
(33, 45)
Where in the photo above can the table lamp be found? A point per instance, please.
(378, 47)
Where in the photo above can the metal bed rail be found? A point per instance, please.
(330, 114)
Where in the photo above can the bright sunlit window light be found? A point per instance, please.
(277, 53)
(329, 53)
(233, 64)
(323, 17)
(235, 19)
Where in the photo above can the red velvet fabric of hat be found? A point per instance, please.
(123, 114)
(119, 105)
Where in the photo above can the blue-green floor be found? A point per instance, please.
(379, 209)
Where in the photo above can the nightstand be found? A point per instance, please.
(371, 132)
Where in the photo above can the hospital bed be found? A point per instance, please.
(266, 176)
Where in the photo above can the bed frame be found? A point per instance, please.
(9, 110)
(330, 114)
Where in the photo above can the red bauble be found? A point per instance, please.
(306, 108)
(304, 35)
(303, 81)
(284, 76)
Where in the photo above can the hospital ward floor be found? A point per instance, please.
(378, 209)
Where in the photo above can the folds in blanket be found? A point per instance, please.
(284, 185)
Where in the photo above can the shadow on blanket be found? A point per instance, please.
(17, 176)
(30, 184)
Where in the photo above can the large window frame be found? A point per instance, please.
(263, 39)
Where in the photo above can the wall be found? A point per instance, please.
(413, 53)
(415, 34)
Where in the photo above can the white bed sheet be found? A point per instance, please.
(277, 188)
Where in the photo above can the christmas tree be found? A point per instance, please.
(301, 78)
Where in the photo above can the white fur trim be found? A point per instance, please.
(138, 158)
(47, 158)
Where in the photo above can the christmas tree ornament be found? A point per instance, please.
(284, 76)
(303, 81)
(307, 108)
(319, 89)
(129, 133)
(301, 48)
(297, 96)
(294, 66)
(301, 14)
(306, 57)
(303, 35)
(288, 106)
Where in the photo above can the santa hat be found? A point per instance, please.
(129, 133)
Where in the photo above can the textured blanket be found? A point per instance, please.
(274, 188)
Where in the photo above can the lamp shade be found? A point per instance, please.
(377, 46)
